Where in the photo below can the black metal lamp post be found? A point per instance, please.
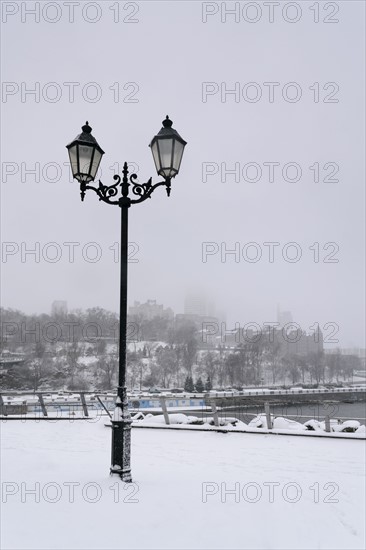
(85, 156)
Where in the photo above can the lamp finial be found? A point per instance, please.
(167, 123)
(86, 128)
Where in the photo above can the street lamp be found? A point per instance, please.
(85, 155)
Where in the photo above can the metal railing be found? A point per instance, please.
(85, 401)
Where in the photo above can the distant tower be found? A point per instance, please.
(59, 307)
(283, 317)
(195, 304)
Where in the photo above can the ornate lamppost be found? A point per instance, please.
(85, 155)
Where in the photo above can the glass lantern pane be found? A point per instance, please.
(95, 164)
(178, 153)
(166, 148)
(85, 154)
(155, 153)
(73, 159)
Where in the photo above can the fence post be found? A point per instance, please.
(3, 406)
(327, 423)
(85, 407)
(165, 410)
(215, 413)
(268, 415)
(43, 406)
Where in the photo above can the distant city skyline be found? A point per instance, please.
(279, 317)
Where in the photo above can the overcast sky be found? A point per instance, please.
(138, 62)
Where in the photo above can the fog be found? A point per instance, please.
(295, 152)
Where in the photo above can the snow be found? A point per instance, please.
(139, 345)
(353, 424)
(334, 424)
(227, 422)
(160, 419)
(117, 414)
(178, 497)
(257, 425)
(88, 360)
(260, 421)
(313, 425)
(347, 426)
(280, 423)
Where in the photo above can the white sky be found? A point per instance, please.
(169, 52)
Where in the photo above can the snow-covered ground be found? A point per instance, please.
(286, 492)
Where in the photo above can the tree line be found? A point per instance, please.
(170, 358)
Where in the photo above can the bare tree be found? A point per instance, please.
(73, 355)
(108, 366)
(166, 361)
(291, 367)
(212, 362)
(274, 355)
(316, 363)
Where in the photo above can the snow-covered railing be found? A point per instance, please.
(19, 402)
(292, 391)
(266, 421)
(22, 402)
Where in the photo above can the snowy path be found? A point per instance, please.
(177, 500)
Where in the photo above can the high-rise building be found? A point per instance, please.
(197, 303)
(59, 307)
(301, 343)
(194, 305)
(284, 317)
(149, 310)
(291, 341)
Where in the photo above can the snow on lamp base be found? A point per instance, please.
(121, 438)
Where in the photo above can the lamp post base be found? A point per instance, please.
(124, 474)
(121, 438)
